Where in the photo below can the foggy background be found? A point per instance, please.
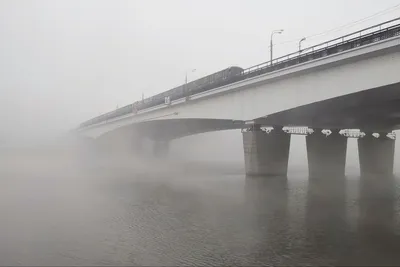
(63, 62)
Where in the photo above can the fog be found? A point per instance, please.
(68, 206)
(63, 62)
(64, 202)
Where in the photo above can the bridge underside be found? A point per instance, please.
(377, 109)
(173, 128)
(176, 128)
(159, 133)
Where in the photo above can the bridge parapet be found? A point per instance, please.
(353, 40)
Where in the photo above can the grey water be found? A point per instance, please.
(61, 210)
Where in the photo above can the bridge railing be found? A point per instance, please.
(362, 37)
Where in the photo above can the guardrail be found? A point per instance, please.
(365, 36)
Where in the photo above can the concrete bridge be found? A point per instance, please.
(352, 82)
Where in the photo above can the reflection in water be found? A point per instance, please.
(55, 212)
(267, 208)
(376, 205)
(326, 224)
(377, 220)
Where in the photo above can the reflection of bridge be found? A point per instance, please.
(324, 223)
(348, 83)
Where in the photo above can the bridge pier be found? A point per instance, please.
(161, 149)
(266, 154)
(326, 154)
(376, 155)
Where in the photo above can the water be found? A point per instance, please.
(56, 210)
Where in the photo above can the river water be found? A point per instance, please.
(62, 210)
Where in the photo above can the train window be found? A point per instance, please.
(224, 74)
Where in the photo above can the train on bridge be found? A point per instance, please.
(211, 81)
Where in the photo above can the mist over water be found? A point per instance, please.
(62, 205)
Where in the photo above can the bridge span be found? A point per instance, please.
(352, 82)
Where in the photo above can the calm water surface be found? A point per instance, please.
(55, 210)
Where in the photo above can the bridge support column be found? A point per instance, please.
(161, 148)
(326, 153)
(376, 154)
(266, 154)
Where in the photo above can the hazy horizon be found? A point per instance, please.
(63, 62)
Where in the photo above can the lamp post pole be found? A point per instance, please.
(302, 40)
(272, 44)
(186, 81)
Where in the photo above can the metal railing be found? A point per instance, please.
(368, 35)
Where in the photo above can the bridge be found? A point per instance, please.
(322, 92)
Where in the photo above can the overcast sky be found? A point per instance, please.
(62, 62)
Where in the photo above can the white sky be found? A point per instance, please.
(62, 62)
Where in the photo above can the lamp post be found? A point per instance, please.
(302, 40)
(272, 35)
(192, 70)
(186, 81)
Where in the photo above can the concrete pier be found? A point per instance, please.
(376, 154)
(266, 154)
(326, 154)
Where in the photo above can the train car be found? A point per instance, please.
(122, 111)
(175, 93)
(182, 91)
(215, 80)
(208, 82)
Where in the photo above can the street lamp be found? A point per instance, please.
(302, 40)
(186, 81)
(272, 35)
(192, 70)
